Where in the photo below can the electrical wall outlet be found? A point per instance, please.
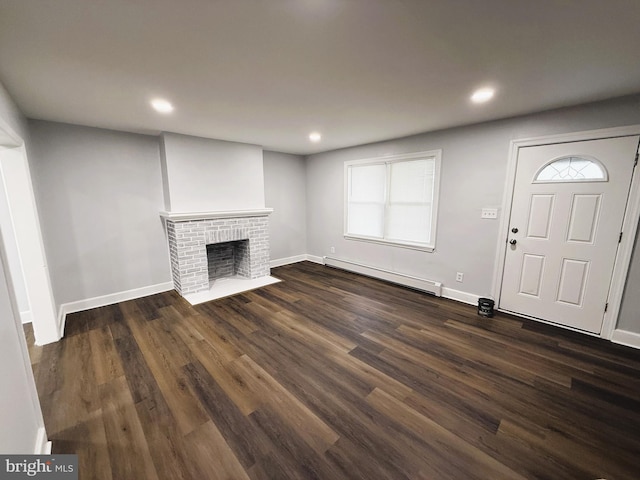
(332, 249)
(459, 277)
(490, 213)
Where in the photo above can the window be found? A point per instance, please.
(393, 199)
(572, 169)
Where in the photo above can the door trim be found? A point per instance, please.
(629, 225)
(22, 205)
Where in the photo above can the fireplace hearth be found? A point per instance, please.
(206, 248)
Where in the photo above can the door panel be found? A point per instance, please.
(584, 218)
(532, 271)
(540, 216)
(568, 221)
(573, 279)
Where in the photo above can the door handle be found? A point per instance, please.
(513, 241)
(514, 230)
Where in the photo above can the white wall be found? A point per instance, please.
(285, 192)
(12, 116)
(21, 423)
(99, 194)
(474, 162)
(211, 175)
(18, 187)
(13, 257)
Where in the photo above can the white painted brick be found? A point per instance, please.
(187, 241)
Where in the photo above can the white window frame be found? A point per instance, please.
(436, 156)
(573, 180)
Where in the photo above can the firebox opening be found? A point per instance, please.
(228, 259)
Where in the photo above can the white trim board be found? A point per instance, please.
(450, 293)
(287, 261)
(417, 283)
(460, 296)
(26, 317)
(295, 259)
(43, 445)
(185, 216)
(630, 223)
(110, 299)
(624, 337)
(18, 189)
(315, 259)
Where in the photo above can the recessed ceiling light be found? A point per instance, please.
(315, 137)
(161, 105)
(483, 95)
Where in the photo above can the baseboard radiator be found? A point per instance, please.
(429, 286)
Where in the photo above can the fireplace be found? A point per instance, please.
(207, 248)
(228, 259)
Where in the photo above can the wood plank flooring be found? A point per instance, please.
(331, 375)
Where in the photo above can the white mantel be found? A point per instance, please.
(186, 216)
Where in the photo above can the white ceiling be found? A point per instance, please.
(269, 72)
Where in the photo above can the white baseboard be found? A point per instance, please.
(26, 317)
(287, 261)
(394, 277)
(406, 280)
(43, 445)
(315, 259)
(624, 337)
(110, 299)
(464, 297)
(298, 258)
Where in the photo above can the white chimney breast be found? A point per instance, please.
(206, 175)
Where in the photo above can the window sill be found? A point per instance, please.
(391, 243)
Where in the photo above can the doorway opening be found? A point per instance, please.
(21, 228)
(568, 225)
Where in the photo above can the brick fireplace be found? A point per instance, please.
(207, 246)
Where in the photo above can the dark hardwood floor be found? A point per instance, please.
(330, 375)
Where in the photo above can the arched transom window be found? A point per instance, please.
(572, 169)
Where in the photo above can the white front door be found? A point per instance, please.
(566, 218)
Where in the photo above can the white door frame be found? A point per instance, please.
(26, 225)
(629, 225)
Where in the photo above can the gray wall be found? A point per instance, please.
(474, 165)
(204, 175)
(285, 192)
(99, 193)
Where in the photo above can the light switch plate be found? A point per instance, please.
(491, 213)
